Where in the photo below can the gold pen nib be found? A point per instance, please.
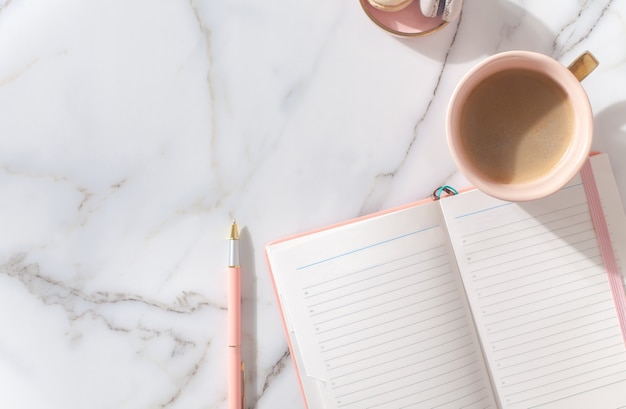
(234, 231)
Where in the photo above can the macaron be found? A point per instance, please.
(390, 5)
(448, 10)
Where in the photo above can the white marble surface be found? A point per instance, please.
(133, 131)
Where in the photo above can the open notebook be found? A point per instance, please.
(465, 302)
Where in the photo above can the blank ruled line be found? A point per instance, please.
(376, 306)
(388, 351)
(411, 354)
(470, 404)
(621, 363)
(543, 218)
(533, 217)
(545, 317)
(417, 393)
(594, 359)
(395, 319)
(357, 250)
(569, 368)
(603, 290)
(516, 239)
(571, 395)
(573, 387)
(406, 375)
(561, 332)
(477, 401)
(538, 224)
(549, 278)
(456, 369)
(488, 209)
(577, 318)
(543, 308)
(564, 360)
(497, 227)
(413, 324)
(516, 261)
(543, 347)
(361, 271)
(470, 393)
(538, 245)
(459, 398)
(464, 376)
(388, 393)
(523, 267)
(535, 244)
(342, 276)
(462, 216)
(418, 331)
(368, 298)
(400, 308)
(527, 227)
(573, 185)
(411, 274)
(408, 385)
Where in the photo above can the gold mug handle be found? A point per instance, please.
(583, 65)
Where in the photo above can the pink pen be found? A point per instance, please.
(235, 364)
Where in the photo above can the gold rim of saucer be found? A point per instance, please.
(365, 5)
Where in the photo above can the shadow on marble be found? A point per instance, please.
(610, 136)
(484, 28)
(610, 128)
(248, 315)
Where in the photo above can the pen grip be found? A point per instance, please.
(235, 375)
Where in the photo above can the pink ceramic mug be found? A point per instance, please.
(520, 125)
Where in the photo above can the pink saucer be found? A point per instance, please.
(408, 22)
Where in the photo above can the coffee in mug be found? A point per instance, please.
(520, 125)
(517, 125)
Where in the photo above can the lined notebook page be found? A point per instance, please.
(378, 315)
(541, 299)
